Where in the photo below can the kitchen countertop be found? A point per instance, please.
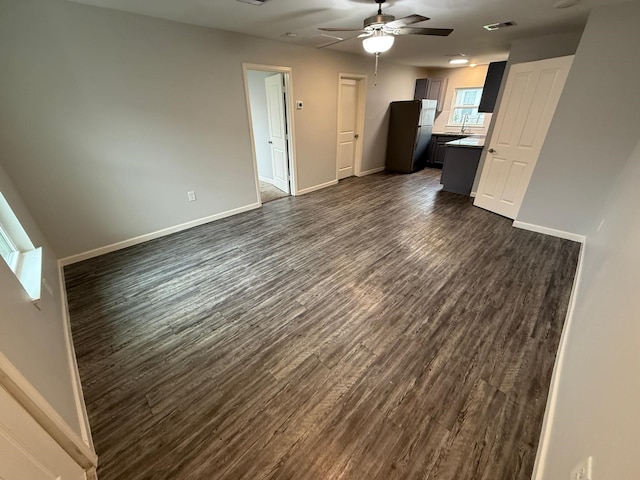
(468, 142)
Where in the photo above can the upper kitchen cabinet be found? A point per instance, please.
(491, 87)
(431, 89)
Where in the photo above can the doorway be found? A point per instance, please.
(351, 102)
(268, 92)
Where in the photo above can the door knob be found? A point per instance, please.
(356, 136)
(491, 150)
(270, 141)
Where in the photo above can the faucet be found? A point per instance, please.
(464, 124)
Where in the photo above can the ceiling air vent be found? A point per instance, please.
(497, 26)
(253, 2)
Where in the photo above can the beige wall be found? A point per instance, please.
(110, 118)
(458, 78)
(34, 340)
(586, 181)
(599, 390)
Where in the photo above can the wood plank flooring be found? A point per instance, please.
(379, 329)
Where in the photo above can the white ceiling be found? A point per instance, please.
(303, 17)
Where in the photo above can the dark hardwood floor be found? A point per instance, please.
(379, 329)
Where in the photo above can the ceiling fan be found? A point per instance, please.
(379, 30)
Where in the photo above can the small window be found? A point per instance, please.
(464, 110)
(7, 248)
(19, 253)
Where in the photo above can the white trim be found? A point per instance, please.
(78, 395)
(361, 81)
(317, 187)
(549, 231)
(473, 195)
(552, 398)
(266, 180)
(291, 144)
(150, 236)
(43, 413)
(370, 172)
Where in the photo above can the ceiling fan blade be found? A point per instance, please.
(440, 32)
(365, 34)
(330, 29)
(404, 21)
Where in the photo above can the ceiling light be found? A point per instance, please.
(458, 61)
(378, 42)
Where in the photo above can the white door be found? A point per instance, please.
(27, 452)
(347, 127)
(277, 131)
(524, 115)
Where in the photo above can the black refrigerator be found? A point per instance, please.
(410, 126)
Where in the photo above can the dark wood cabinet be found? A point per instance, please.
(438, 150)
(459, 170)
(491, 87)
(431, 89)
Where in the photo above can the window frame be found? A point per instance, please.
(25, 260)
(12, 257)
(454, 107)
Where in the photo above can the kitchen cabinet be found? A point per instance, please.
(431, 89)
(437, 148)
(460, 165)
(491, 86)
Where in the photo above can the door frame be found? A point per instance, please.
(287, 73)
(362, 97)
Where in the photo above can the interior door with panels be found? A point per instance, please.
(530, 98)
(277, 131)
(347, 127)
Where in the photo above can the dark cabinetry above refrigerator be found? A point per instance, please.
(431, 89)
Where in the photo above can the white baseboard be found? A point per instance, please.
(266, 180)
(78, 395)
(552, 398)
(317, 187)
(549, 231)
(153, 235)
(369, 172)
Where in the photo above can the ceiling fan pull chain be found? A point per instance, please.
(375, 72)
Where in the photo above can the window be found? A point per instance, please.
(7, 248)
(17, 250)
(464, 110)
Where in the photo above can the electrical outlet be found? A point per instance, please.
(191, 196)
(583, 471)
(299, 105)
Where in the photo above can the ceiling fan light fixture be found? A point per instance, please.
(379, 42)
